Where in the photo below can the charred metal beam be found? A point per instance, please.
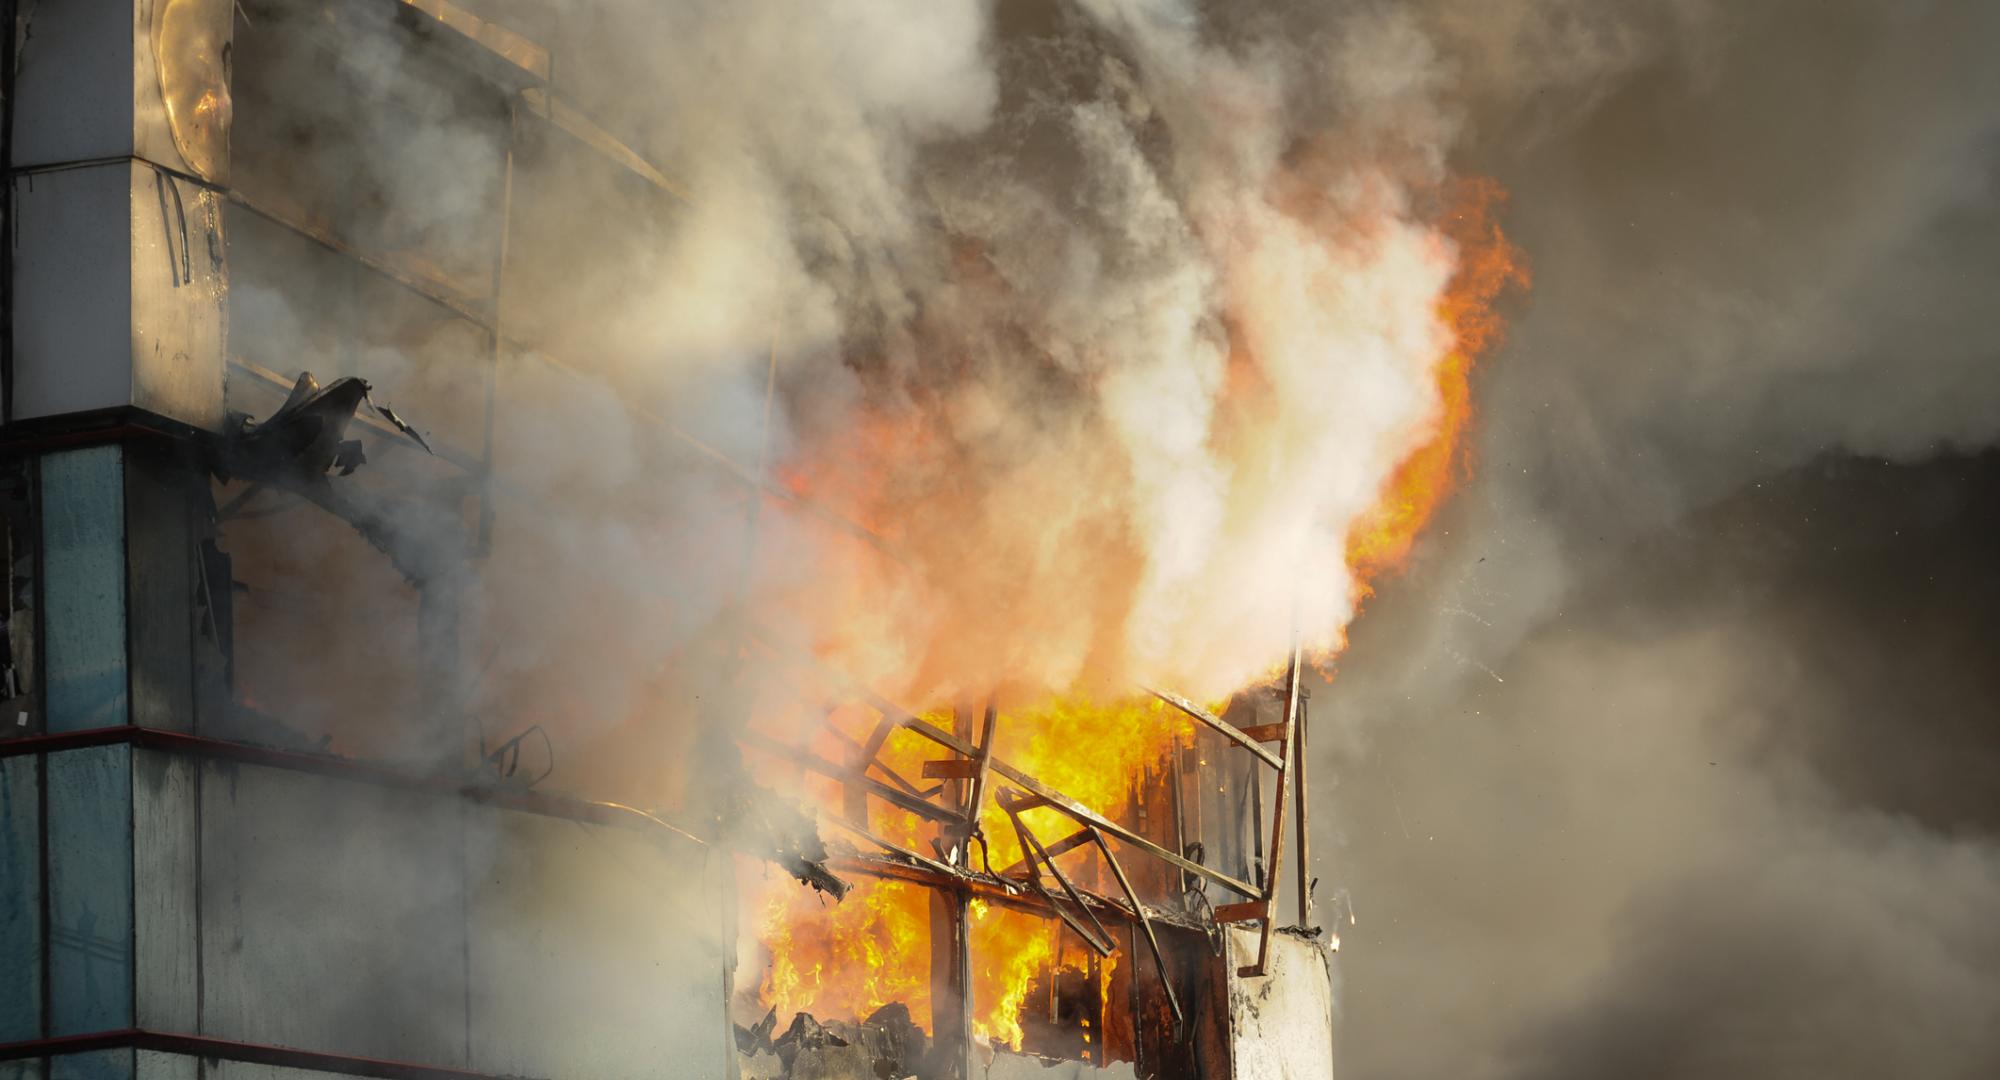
(987, 726)
(1146, 924)
(1095, 936)
(1058, 849)
(1008, 894)
(1225, 728)
(895, 716)
(1305, 833)
(1177, 773)
(814, 763)
(1265, 733)
(586, 131)
(1273, 872)
(532, 59)
(1083, 815)
(871, 761)
(975, 774)
(894, 848)
(1248, 911)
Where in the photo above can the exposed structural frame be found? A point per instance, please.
(967, 779)
(956, 804)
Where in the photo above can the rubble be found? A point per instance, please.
(1010, 1066)
(810, 1050)
(895, 1040)
(887, 1046)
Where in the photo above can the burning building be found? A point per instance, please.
(399, 684)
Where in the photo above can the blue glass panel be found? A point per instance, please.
(20, 902)
(83, 588)
(97, 1065)
(90, 889)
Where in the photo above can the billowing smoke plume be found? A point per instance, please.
(1106, 321)
(1674, 756)
(1109, 319)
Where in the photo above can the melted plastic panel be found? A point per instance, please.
(83, 541)
(160, 503)
(191, 53)
(90, 890)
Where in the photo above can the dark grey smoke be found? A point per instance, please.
(1675, 755)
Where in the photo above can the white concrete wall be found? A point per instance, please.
(1281, 1024)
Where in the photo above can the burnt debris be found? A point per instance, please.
(306, 438)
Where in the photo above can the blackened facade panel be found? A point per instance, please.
(161, 595)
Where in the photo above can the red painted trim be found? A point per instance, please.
(43, 434)
(249, 1053)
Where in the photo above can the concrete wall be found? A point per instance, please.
(1281, 1024)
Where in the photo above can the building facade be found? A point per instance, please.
(254, 819)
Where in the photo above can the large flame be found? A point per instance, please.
(1380, 541)
(874, 948)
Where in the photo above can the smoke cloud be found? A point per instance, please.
(1669, 757)
(1109, 319)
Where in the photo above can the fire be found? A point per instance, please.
(1008, 949)
(1488, 265)
(1091, 753)
(850, 958)
(874, 948)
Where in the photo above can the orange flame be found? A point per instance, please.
(874, 948)
(1488, 265)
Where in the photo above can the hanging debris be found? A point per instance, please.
(306, 438)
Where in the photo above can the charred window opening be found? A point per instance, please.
(1066, 911)
(370, 164)
(20, 712)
